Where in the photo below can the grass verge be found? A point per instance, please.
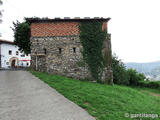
(102, 101)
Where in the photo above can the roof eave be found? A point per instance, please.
(39, 20)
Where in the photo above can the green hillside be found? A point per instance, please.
(102, 101)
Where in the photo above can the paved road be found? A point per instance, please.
(25, 97)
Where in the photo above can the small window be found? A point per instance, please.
(27, 63)
(7, 63)
(10, 52)
(17, 52)
(23, 55)
(60, 50)
(74, 50)
(45, 51)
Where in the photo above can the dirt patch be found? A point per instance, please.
(155, 94)
(86, 103)
(151, 93)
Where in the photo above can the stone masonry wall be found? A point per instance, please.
(64, 63)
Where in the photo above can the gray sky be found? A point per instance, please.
(134, 24)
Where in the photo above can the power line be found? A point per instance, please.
(14, 7)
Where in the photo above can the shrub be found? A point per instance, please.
(123, 76)
(142, 77)
(120, 75)
(154, 85)
(142, 84)
(134, 77)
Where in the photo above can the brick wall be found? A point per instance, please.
(57, 29)
(54, 29)
(104, 26)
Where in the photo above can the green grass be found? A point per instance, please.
(149, 90)
(102, 101)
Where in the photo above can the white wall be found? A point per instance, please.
(5, 57)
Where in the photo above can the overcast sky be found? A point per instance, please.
(134, 24)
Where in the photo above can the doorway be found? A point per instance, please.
(13, 63)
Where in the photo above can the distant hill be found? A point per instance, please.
(150, 68)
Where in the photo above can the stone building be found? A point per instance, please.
(56, 47)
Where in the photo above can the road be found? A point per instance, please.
(25, 97)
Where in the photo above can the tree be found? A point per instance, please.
(135, 77)
(1, 11)
(22, 36)
(1, 14)
(120, 75)
(123, 76)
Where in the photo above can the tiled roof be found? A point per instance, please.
(67, 19)
(6, 41)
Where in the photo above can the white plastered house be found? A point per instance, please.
(10, 56)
